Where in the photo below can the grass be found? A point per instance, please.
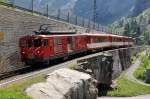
(140, 73)
(128, 88)
(16, 90)
(73, 66)
(135, 57)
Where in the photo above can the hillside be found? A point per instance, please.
(107, 11)
(137, 27)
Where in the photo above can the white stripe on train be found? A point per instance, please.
(106, 44)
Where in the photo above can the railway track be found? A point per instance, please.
(27, 69)
(33, 74)
(12, 77)
(28, 74)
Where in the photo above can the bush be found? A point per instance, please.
(140, 73)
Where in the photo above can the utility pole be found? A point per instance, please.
(47, 10)
(32, 8)
(94, 12)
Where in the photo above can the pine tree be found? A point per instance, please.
(126, 30)
(147, 35)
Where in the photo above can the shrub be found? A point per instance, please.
(140, 73)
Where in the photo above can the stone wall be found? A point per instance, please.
(15, 23)
(106, 66)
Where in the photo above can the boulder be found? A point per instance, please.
(65, 84)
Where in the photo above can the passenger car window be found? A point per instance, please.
(45, 42)
(70, 40)
(58, 41)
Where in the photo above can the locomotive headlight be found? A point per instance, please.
(23, 52)
(38, 52)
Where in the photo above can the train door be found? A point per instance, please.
(58, 45)
(70, 44)
(51, 46)
(110, 41)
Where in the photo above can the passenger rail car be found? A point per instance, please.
(43, 48)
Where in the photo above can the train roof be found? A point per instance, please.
(84, 34)
(112, 35)
(61, 35)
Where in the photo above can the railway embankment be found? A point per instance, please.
(71, 84)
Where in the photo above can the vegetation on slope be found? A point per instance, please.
(140, 73)
(128, 88)
(137, 27)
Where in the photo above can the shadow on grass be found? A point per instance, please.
(103, 89)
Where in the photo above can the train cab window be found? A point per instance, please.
(29, 43)
(45, 42)
(23, 43)
(37, 42)
(26, 43)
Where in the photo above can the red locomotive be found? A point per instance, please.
(43, 48)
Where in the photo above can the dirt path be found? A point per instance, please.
(129, 74)
(137, 97)
(131, 70)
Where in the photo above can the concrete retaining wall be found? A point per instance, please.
(106, 66)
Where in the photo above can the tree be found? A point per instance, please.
(147, 35)
(126, 30)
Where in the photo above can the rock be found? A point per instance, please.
(114, 84)
(65, 84)
(99, 67)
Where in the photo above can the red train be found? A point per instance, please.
(43, 48)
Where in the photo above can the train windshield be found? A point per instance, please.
(26, 43)
(37, 43)
(29, 43)
(23, 43)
